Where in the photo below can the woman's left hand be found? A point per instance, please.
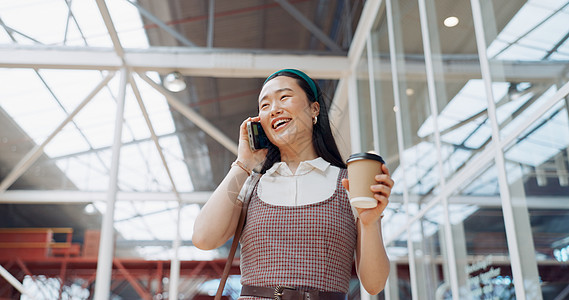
(381, 192)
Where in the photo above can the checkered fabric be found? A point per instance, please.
(309, 246)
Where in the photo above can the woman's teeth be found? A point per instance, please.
(280, 122)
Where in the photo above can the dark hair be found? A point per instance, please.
(322, 138)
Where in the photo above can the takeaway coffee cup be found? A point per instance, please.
(362, 168)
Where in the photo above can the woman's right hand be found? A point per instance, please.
(250, 158)
(218, 218)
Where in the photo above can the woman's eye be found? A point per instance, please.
(284, 96)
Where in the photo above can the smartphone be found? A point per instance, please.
(257, 138)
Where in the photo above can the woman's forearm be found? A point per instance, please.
(372, 260)
(218, 218)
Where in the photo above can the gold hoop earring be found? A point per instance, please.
(314, 120)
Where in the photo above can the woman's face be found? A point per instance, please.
(285, 112)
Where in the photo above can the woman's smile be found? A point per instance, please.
(280, 123)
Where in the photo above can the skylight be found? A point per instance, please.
(533, 32)
(460, 139)
(40, 100)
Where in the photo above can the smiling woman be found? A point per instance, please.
(301, 232)
(313, 120)
(287, 115)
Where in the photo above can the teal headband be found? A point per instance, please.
(303, 76)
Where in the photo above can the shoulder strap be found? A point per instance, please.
(251, 183)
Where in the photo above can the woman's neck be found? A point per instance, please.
(293, 157)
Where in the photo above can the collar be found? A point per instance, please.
(282, 169)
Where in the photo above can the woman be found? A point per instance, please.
(301, 233)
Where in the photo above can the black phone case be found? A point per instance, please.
(257, 138)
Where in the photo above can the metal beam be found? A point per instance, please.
(103, 9)
(175, 262)
(59, 58)
(37, 151)
(106, 253)
(204, 62)
(149, 243)
(189, 62)
(153, 135)
(11, 31)
(14, 282)
(210, 23)
(193, 116)
(140, 290)
(82, 197)
(365, 24)
(324, 38)
(564, 293)
(178, 36)
(71, 16)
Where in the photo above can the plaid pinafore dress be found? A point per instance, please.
(310, 246)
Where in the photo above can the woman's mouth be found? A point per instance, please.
(280, 123)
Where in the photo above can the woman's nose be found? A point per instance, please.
(276, 110)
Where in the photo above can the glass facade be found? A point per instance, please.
(467, 101)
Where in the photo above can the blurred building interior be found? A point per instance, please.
(119, 118)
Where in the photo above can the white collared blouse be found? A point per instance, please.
(313, 181)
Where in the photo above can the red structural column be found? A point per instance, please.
(159, 277)
(141, 291)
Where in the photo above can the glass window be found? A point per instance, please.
(385, 135)
(459, 97)
(418, 153)
(364, 105)
(427, 237)
(399, 282)
(479, 239)
(536, 164)
(530, 34)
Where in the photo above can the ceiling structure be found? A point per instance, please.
(78, 52)
(70, 67)
(224, 50)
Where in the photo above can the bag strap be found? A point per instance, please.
(254, 178)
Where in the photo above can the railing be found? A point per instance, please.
(36, 243)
